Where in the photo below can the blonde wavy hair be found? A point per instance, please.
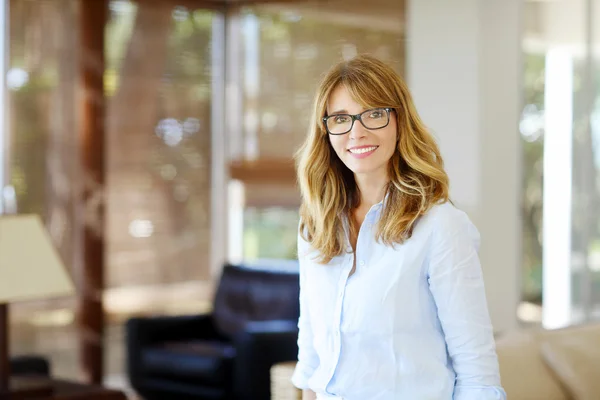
(329, 192)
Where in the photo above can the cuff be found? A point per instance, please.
(301, 376)
(479, 393)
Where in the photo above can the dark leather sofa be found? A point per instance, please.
(226, 354)
(29, 365)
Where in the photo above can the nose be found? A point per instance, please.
(357, 131)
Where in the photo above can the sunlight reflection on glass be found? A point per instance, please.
(168, 172)
(170, 131)
(191, 126)
(532, 123)
(141, 228)
(121, 7)
(16, 78)
(180, 13)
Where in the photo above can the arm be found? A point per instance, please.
(308, 395)
(308, 360)
(153, 329)
(456, 283)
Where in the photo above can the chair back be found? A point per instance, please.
(254, 293)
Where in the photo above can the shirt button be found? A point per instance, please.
(362, 263)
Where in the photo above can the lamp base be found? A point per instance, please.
(24, 388)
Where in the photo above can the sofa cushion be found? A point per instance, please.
(522, 369)
(574, 356)
(208, 362)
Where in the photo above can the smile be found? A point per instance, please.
(363, 150)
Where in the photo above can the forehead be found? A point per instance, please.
(340, 100)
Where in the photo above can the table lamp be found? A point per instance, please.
(30, 269)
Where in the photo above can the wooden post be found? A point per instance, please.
(93, 17)
(4, 180)
(4, 348)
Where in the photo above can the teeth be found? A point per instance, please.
(363, 150)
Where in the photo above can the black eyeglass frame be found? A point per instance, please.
(357, 117)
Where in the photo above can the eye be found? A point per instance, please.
(376, 114)
(341, 119)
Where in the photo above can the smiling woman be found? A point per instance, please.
(392, 300)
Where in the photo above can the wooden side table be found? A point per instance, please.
(281, 385)
(58, 389)
(65, 390)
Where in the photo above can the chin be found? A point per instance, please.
(362, 169)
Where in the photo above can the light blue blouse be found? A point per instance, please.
(411, 323)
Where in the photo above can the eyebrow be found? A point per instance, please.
(343, 111)
(338, 112)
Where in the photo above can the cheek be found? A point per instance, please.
(390, 145)
(391, 138)
(338, 145)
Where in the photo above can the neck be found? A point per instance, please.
(372, 189)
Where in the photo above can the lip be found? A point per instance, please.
(362, 155)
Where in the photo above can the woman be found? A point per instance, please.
(392, 302)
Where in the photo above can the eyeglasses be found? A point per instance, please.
(375, 118)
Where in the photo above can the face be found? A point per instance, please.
(365, 152)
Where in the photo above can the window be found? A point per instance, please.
(561, 160)
(158, 83)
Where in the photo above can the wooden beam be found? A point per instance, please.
(264, 171)
(271, 195)
(372, 14)
(221, 5)
(213, 5)
(90, 272)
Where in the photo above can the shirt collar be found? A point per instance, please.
(382, 203)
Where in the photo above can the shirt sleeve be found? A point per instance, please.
(456, 283)
(308, 360)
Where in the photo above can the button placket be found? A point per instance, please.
(338, 316)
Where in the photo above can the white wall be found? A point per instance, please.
(463, 67)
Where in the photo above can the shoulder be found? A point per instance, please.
(444, 222)
(445, 215)
(305, 250)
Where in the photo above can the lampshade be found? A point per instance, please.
(30, 267)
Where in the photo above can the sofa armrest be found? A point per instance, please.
(29, 365)
(158, 329)
(259, 346)
(141, 332)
